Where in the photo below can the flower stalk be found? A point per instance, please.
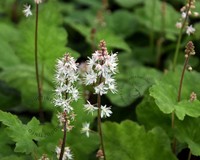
(39, 88)
(189, 51)
(64, 136)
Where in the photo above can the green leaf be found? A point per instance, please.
(188, 131)
(132, 84)
(128, 3)
(130, 141)
(4, 144)
(165, 94)
(112, 40)
(149, 115)
(51, 37)
(13, 157)
(151, 16)
(23, 78)
(21, 133)
(122, 23)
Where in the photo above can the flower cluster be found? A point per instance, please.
(186, 11)
(67, 153)
(100, 70)
(66, 76)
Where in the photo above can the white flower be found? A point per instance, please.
(100, 89)
(178, 25)
(67, 153)
(86, 129)
(75, 93)
(38, 1)
(27, 10)
(190, 30)
(112, 87)
(90, 77)
(105, 111)
(183, 15)
(90, 108)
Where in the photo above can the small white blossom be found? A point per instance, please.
(27, 10)
(86, 129)
(90, 78)
(38, 1)
(90, 108)
(75, 94)
(190, 30)
(105, 111)
(196, 14)
(44, 157)
(183, 15)
(179, 25)
(101, 89)
(67, 153)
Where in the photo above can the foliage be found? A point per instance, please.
(144, 36)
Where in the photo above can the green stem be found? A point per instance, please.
(152, 28)
(189, 155)
(174, 139)
(36, 67)
(99, 125)
(182, 77)
(178, 99)
(177, 49)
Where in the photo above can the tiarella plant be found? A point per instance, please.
(68, 115)
(101, 68)
(183, 24)
(66, 93)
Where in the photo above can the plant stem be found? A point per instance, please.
(180, 37)
(182, 77)
(178, 99)
(64, 138)
(189, 155)
(152, 27)
(99, 125)
(36, 66)
(174, 139)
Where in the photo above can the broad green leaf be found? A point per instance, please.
(8, 56)
(9, 96)
(122, 23)
(187, 131)
(130, 141)
(149, 115)
(23, 78)
(5, 142)
(132, 84)
(13, 157)
(52, 38)
(165, 94)
(165, 97)
(20, 133)
(151, 16)
(128, 3)
(112, 40)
